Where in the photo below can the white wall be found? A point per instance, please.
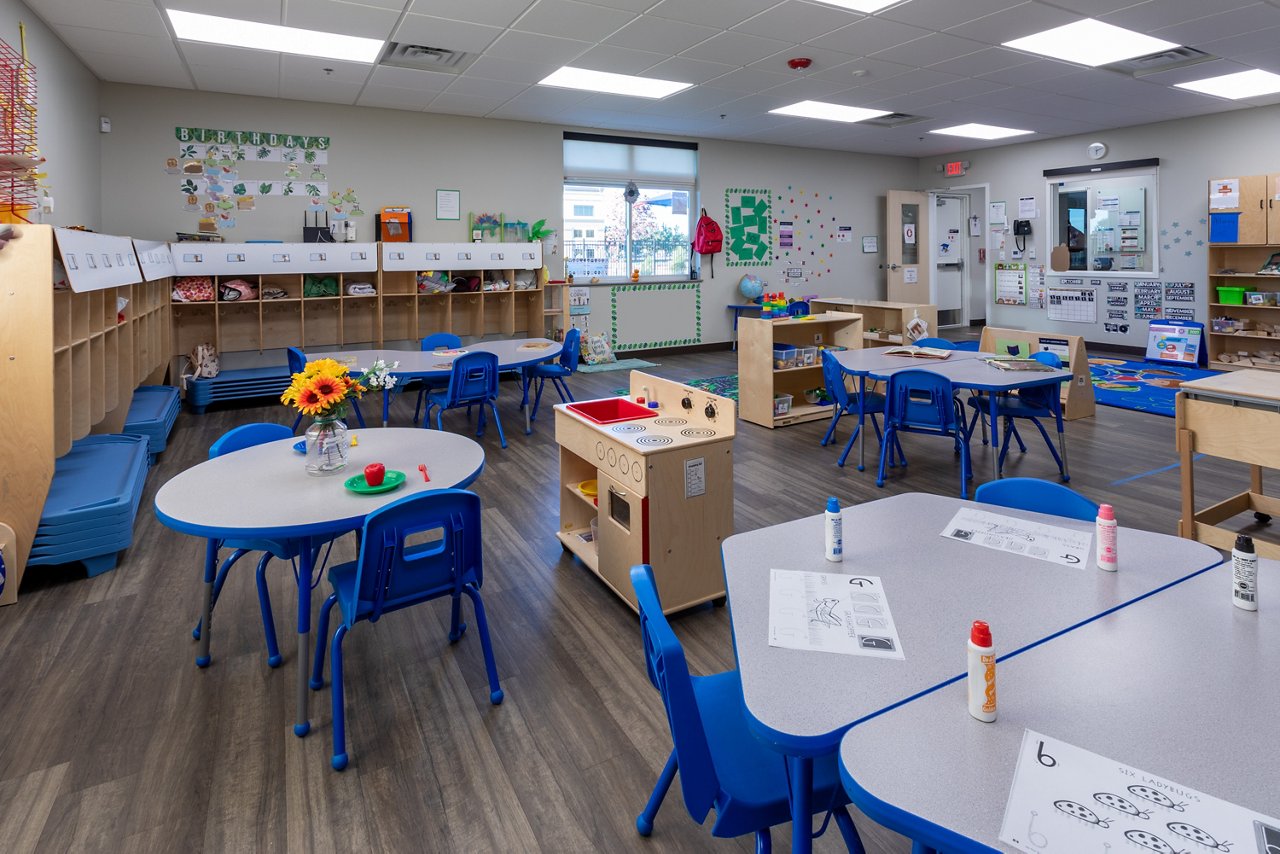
(67, 123)
(1191, 152)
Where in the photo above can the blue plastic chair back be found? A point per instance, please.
(1038, 496)
(920, 400)
(440, 341)
(248, 435)
(833, 376)
(474, 379)
(669, 672)
(446, 554)
(799, 308)
(572, 349)
(971, 346)
(297, 360)
(940, 343)
(1042, 395)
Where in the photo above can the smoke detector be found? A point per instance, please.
(799, 63)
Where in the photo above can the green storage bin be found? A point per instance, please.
(1231, 294)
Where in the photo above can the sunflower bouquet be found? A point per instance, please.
(322, 389)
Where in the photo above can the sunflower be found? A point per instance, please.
(325, 367)
(322, 393)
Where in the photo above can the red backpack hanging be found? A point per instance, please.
(708, 239)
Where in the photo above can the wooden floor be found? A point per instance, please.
(112, 740)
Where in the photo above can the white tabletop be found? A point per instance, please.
(266, 491)
(1182, 685)
(870, 360)
(802, 701)
(511, 353)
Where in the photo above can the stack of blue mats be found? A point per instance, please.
(93, 501)
(152, 414)
(237, 384)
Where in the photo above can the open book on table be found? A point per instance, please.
(1016, 363)
(915, 352)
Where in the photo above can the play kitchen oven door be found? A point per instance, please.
(623, 531)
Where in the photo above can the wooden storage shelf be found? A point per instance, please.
(1245, 335)
(759, 383)
(882, 321)
(1261, 228)
(588, 553)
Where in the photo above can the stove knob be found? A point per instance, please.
(624, 465)
(599, 450)
(613, 457)
(637, 473)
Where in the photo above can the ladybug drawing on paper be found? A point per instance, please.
(1157, 797)
(1151, 842)
(1082, 812)
(1123, 805)
(1195, 834)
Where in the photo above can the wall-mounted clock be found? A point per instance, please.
(1097, 150)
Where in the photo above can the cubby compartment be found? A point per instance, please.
(113, 368)
(281, 324)
(110, 303)
(96, 300)
(359, 321)
(79, 317)
(193, 323)
(346, 279)
(399, 282)
(62, 391)
(499, 313)
(97, 379)
(239, 327)
(527, 315)
(399, 318)
(61, 319)
(467, 314)
(321, 322)
(81, 388)
(433, 314)
(290, 283)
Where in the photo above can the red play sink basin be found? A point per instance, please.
(611, 410)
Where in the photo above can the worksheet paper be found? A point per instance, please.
(831, 612)
(1018, 536)
(1065, 799)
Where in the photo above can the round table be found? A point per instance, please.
(264, 492)
(513, 354)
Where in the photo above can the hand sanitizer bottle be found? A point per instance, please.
(835, 531)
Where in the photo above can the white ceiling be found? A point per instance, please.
(935, 58)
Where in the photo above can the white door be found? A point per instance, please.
(950, 215)
(906, 267)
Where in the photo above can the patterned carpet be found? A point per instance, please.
(1143, 386)
(725, 386)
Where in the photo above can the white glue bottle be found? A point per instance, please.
(982, 673)
(1244, 574)
(835, 531)
(1106, 524)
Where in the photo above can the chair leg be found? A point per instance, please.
(1004, 446)
(562, 389)
(853, 438)
(644, 821)
(831, 430)
(497, 422)
(296, 422)
(422, 393)
(764, 842)
(1062, 471)
(268, 618)
(901, 454)
(322, 632)
(890, 436)
(537, 398)
(355, 404)
(340, 757)
(848, 831)
(1013, 429)
(220, 580)
(482, 626)
(456, 627)
(440, 419)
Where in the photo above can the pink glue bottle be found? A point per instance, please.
(1106, 525)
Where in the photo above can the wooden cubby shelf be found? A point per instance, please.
(1236, 265)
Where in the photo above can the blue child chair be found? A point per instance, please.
(298, 364)
(473, 381)
(971, 346)
(246, 436)
(390, 574)
(1038, 496)
(1030, 404)
(721, 764)
(438, 341)
(555, 371)
(921, 401)
(940, 343)
(844, 403)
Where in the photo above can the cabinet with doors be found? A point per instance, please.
(1245, 335)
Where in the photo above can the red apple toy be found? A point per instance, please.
(374, 474)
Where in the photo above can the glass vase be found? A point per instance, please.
(327, 446)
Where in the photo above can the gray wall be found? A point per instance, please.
(1191, 153)
(67, 123)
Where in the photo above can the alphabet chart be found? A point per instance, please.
(831, 612)
(1006, 534)
(1065, 800)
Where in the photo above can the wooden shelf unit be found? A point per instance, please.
(758, 382)
(888, 319)
(555, 310)
(71, 362)
(1231, 256)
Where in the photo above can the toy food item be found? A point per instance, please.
(374, 474)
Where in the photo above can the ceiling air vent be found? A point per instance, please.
(1165, 60)
(893, 120)
(425, 58)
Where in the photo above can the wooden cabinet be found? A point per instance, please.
(1259, 219)
(1250, 337)
(760, 380)
(882, 322)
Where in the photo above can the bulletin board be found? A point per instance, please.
(643, 317)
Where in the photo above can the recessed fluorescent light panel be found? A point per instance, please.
(609, 83)
(829, 112)
(1090, 42)
(976, 131)
(1243, 84)
(867, 6)
(211, 29)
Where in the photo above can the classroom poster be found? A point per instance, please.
(1060, 347)
(1147, 301)
(748, 227)
(1035, 286)
(1179, 292)
(1073, 304)
(786, 235)
(1011, 284)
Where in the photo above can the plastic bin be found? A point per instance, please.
(784, 356)
(806, 357)
(1231, 294)
(781, 405)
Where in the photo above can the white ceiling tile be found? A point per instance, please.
(1031, 72)
(574, 20)
(807, 89)
(1221, 25)
(1021, 20)
(647, 33)
(869, 35)
(86, 40)
(629, 5)
(935, 48)
(547, 99)
(495, 13)
(876, 69)
(920, 104)
(441, 32)
(146, 70)
(736, 48)
(722, 15)
(1153, 14)
(500, 90)
(539, 49)
(464, 105)
(695, 100)
(395, 98)
(497, 68)
(619, 60)
(386, 76)
(1267, 60)
(797, 21)
(324, 70)
(983, 62)
(961, 89)
(397, 5)
(235, 80)
(914, 81)
(750, 80)
(103, 15)
(263, 63)
(307, 89)
(687, 70)
(266, 11)
(328, 16)
(1243, 44)
(942, 14)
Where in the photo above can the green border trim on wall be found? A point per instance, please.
(696, 287)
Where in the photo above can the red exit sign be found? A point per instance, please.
(954, 169)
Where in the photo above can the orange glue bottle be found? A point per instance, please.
(982, 673)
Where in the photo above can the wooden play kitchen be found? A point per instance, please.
(649, 485)
(1233, 416)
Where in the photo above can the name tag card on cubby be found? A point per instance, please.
(96, 261)
(155, 258)
(461, 256)
(319, 258)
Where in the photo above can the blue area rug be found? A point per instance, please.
(1144, 386)
(619, 365)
